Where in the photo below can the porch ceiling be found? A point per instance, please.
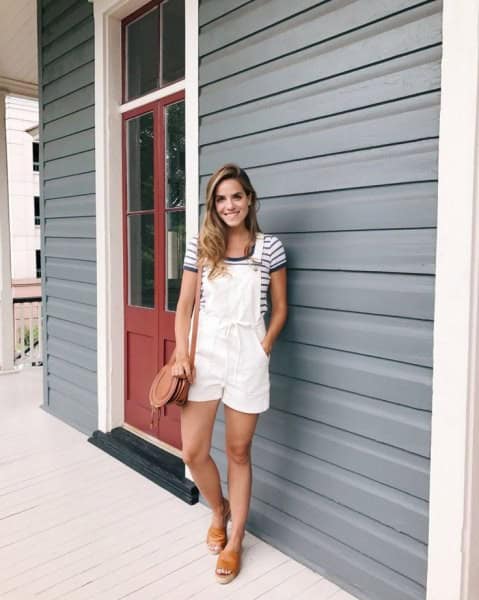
(18, 47)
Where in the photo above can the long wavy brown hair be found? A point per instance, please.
(212, 239)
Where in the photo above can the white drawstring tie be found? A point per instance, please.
(232, 329)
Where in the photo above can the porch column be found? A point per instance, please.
(6, 304)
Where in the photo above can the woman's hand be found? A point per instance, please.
(267, 347)
(182, 368)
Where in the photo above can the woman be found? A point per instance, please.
(232, 357)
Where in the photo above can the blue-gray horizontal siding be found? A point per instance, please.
(66, 53)
(333, 108)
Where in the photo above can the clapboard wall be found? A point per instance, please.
(333, 108)
(66, 69)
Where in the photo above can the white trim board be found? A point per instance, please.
(153, 96)
(110, 314)
(453, 560)
(14, 87)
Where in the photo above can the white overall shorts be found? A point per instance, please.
(230, 362)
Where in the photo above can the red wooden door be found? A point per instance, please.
(154, 241)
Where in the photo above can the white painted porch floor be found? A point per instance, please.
(75, 523)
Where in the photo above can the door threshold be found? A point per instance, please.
(164, 468)
(153, 440)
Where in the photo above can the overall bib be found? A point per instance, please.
(230, 363)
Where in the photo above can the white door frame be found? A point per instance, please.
(108, 15)
(453, 561)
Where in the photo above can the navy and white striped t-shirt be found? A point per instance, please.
(272, 259)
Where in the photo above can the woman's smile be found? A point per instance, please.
(231, 215)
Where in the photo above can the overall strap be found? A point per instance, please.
(258, 248)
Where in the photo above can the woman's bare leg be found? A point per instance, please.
(240, 428)
(197, 421)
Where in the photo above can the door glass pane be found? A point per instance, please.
(141, 260)
(140, 163)
(173, 47)
(175, 252)
(142, 54)
(175, 155)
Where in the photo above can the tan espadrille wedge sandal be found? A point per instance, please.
(216, 537)
(227, 566)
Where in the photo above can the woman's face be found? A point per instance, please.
(231, 202)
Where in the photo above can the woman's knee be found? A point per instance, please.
(193, 456)
(240, 454)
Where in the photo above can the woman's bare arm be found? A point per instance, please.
(184, 309)
(279, 308)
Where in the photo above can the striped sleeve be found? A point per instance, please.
(277, 254)
(191, 255)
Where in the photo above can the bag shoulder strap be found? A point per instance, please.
(196, 314)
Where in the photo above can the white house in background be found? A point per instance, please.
(21, 116)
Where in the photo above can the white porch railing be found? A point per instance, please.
(27, 318)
